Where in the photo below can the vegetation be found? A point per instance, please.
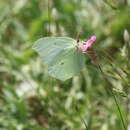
(30, 99)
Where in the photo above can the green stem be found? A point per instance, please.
(49, 18)
(82, 119)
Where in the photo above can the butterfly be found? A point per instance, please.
(64, 56)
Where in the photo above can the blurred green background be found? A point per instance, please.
(32, 100)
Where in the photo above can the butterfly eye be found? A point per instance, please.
(78, 41)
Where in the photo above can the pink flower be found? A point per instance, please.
(88, 43)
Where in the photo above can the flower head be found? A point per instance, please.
(88, 43)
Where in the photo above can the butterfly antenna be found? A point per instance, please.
(77, 36)
(125, 2)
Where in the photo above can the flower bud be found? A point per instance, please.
(126, 36)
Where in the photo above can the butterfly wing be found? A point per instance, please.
(61, 55)
(50, 48)
(70, 65)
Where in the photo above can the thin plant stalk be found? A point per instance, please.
(114, 97)
(94, 58)
(82, 119)
(49, 17)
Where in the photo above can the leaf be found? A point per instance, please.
(62, 56)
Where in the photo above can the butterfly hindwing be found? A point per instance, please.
(70, 65)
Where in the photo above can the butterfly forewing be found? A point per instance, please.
(50, 48)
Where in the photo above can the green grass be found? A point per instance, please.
(30, 99)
